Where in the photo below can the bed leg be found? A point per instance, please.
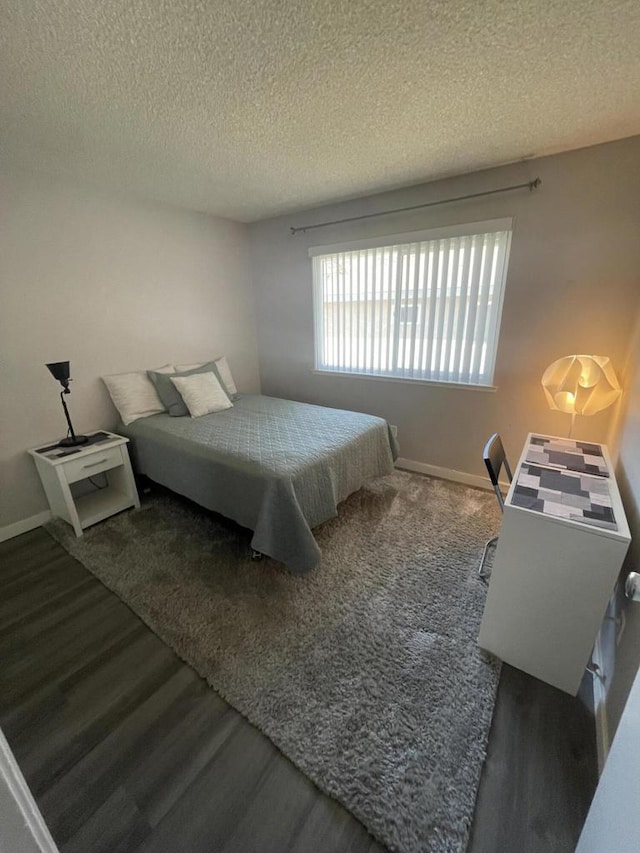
(256, 555)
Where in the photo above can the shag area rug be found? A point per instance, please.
(364, 672)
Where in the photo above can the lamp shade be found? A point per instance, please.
(60, 371)
(581, 384)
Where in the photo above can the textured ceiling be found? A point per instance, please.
(255, 107)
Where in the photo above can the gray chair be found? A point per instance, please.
(494, 458)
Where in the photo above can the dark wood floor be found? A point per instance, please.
(127, 750)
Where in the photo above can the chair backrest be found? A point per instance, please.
(494, 458)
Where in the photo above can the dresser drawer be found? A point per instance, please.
(94, 463)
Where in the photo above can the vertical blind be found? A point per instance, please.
(425, 309)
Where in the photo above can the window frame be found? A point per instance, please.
(442, 232)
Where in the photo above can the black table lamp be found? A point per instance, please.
(60, 371)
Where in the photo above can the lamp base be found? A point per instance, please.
(73, 442)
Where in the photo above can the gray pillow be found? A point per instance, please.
(169, 394)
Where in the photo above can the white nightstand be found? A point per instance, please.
(60, 467)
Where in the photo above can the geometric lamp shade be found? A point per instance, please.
(581, 384)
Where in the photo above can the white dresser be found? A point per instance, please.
(563, 538)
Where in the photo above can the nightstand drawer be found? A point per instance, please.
(94, 463)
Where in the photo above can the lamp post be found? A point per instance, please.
(60, 371)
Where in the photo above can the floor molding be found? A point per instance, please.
(11, 530)
(22, 822)
(24, 526)
(446, 473)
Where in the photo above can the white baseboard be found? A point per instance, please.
(11, 530)
(22, 827)
(446, 473)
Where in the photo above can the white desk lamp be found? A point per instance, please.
(580, 385)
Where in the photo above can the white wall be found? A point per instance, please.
(613, 822)
(573, 286)
(111, 285)
(624, 660)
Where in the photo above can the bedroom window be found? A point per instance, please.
(420, 306)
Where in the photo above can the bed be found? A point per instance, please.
(275, 466)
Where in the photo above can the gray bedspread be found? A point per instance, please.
(275, 466)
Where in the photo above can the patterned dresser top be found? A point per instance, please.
(564, 453)
(565, 494)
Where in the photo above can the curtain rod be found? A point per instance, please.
(531, 185)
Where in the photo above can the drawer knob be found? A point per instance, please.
(632, 586)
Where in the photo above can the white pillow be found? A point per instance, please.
(223, 369)
(182, 368)
(134, 394)
(225, 375)
(202, 394)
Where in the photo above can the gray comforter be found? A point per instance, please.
(277, 467)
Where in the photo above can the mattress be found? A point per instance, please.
(275, 466)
